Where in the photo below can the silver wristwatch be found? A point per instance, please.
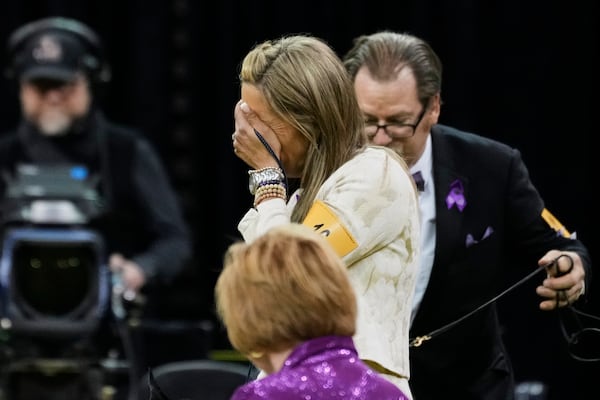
(263, 176)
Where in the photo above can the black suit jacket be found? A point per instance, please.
(503, 218)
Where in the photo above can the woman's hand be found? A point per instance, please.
(246, 144)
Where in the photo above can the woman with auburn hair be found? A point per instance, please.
(287, 304)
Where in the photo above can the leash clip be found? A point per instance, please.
(418, 341)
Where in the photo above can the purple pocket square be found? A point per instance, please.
(470, 240)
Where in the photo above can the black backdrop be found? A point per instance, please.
(523, 73)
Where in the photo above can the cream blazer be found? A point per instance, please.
(374, 198)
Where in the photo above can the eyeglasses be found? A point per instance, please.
(395, 130)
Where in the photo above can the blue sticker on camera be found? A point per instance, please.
(79, 173)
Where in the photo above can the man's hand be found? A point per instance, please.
(565, 281)
(132, 275)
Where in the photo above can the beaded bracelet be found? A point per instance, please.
(271, 182)
(270, 191)
(255, 171)
(270, 187)
(266, 197)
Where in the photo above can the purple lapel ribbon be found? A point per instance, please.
(456, 196)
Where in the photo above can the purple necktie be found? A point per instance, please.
(419, 181)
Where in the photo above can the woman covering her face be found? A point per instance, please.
(300, 130)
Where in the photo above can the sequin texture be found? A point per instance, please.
(319, 369)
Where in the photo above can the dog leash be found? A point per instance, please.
(418, 341)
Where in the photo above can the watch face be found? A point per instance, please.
(264, 176)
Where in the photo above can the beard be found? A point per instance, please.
(54, 123)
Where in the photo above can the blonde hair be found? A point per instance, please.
(306, 85)
(284, 288)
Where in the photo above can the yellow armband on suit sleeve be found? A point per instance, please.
(324, 221)
(555, 223)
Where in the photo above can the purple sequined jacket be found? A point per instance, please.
(322, 368)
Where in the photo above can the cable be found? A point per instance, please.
(270, 150)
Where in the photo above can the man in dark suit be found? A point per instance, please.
(480, 212)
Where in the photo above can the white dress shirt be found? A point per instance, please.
(427, 209)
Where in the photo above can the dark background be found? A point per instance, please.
(525, 73)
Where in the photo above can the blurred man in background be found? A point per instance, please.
(59, 67)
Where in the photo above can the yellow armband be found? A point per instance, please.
(555, 223)
(324, 221)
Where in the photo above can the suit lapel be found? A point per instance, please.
(448, 220)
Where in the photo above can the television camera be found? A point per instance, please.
(55, 287)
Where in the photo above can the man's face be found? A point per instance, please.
(53, 106)
(396, 102)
